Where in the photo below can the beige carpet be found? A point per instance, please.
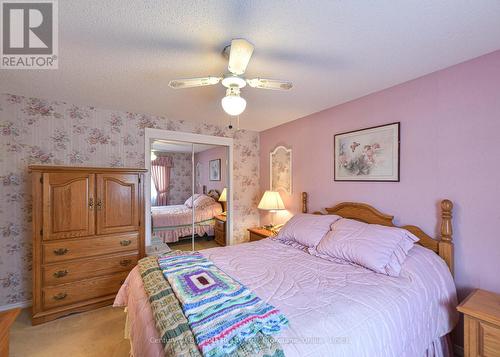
(199, 244)
(89, 334)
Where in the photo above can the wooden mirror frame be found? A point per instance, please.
(443, 246)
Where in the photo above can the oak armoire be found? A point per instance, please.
(88, 233)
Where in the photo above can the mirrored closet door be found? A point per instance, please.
(171, 191)
(210, 187)
(188, 195)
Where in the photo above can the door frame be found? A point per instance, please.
(160, 134)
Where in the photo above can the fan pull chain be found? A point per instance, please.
(237, 122)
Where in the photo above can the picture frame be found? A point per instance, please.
(197, 173)
(280, 169)
(214, 170)
(368, 155)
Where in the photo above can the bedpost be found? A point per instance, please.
(304, 202)
(446, 241)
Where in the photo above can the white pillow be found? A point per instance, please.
(190, 200)
(378, 248)
(202, 201)
(306, 229)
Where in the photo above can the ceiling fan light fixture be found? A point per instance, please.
(238, 53)
(233, 104)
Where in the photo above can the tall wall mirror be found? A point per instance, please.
(188, 192)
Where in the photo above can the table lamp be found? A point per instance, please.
(223, 200)
(271, 201)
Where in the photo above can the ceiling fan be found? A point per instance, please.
(239, 53)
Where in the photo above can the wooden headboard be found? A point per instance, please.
(214, 194)
(368, 214)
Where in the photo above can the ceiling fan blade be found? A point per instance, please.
(193, 82)
(274, 84)
(241, 51)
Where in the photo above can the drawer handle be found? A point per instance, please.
(125, 262)
(99, 204)
(91, 203)
(61, 251)
(60, 273)
(125, 242)
(60, 296)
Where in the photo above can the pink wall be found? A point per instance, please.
(450, 131)
(204, 157)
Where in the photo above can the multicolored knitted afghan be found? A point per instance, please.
(173, 327)
(222, 313)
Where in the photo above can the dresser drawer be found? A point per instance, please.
(86, 247)
(70, 271)
(70, 293)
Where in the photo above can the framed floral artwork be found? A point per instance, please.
(280, 168)
(214, 170)
(370, 154)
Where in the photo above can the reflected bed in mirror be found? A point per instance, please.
(173, 222)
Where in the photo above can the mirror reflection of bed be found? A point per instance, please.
(188, 195)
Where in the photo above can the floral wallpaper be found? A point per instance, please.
(38, 131)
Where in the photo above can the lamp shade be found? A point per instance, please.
(223, 195)
(271, 201)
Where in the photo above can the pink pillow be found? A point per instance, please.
(378, 248)
(306, 229)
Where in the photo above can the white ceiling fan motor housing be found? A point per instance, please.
(232, 81)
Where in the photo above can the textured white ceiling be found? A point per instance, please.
(120, 54)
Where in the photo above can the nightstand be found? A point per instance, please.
(481, 311)
(258, 233)
(220, 230)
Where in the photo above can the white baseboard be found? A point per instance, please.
(22, 305)
(458, 351)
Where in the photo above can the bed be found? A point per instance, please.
(333, 309)
(171, 223)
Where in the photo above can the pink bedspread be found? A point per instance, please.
(333, 309)
(172, 222)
